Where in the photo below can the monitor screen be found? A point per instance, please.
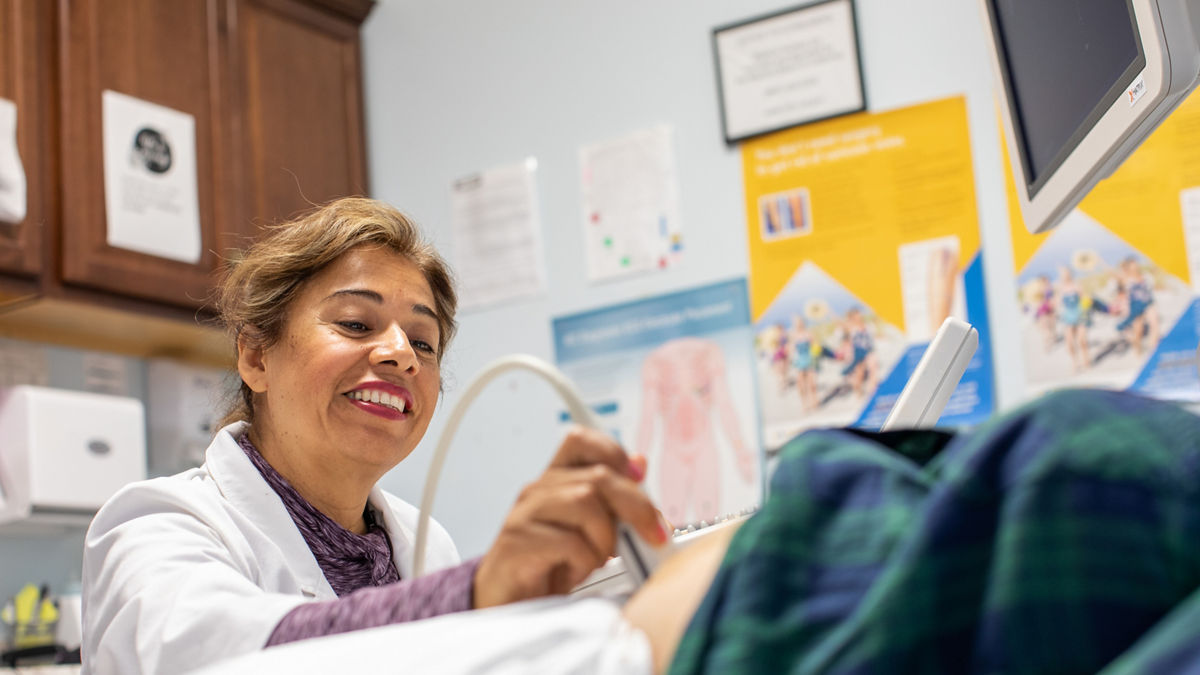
(1064, 69)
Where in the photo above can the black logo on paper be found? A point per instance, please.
(151, 150)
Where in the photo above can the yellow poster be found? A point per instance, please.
(863, 237)
(1108, 298)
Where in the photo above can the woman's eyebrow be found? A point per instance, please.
(358, 292)
(418, 308)
(377, 298)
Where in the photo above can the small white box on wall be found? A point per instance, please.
(184, 406)
(64, 453)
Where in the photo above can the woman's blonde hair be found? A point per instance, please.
(256, 293)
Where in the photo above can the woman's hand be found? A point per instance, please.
(563, 525)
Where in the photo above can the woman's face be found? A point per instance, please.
(355, 374)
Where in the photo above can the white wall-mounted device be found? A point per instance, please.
(64, 453)
(182, 413)
(1081, 85)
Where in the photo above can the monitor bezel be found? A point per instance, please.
(1061, 188)
(1122, 84)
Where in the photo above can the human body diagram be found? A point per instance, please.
(686, 394)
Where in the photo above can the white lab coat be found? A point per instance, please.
(184, 571)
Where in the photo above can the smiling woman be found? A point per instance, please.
(340, 320)
(360, 337)
(253, 300)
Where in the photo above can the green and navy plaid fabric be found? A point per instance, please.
(1061, 538)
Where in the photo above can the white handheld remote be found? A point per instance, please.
(937, 374)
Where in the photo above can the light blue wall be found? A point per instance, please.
(456, 86)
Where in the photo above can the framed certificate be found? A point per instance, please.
(789, 68)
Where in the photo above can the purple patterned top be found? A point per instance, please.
(360, 570)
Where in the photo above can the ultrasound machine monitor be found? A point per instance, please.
(1081, 84)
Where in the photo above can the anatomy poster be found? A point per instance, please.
(1109, 297)
(671, 378)
(863, 237)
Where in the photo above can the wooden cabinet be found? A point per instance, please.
(300, 77)
(26, 77)
(274, 88)
(168, 53)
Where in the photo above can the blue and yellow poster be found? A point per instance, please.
(1109, 297)
(863, 237)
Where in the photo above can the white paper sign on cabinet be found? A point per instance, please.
(150, 189)
(12, 176)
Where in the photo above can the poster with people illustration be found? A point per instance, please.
(671, 378)
(863, 237)
(1109, 297)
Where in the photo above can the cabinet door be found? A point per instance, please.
(300, 81)
(27, 32)
(167, 53)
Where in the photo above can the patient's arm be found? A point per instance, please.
(664, 605)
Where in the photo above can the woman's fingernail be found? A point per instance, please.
(664, 529)
(636, 471)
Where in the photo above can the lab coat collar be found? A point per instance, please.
(240, 482)
(402, 537)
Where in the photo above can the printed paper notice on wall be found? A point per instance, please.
(23, 363)
(150, 188)
(105, 373)
(630, 204)
(497, 235)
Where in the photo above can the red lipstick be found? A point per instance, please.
(394, 401)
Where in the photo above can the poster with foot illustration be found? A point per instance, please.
(863, 237)
(1109, 297)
